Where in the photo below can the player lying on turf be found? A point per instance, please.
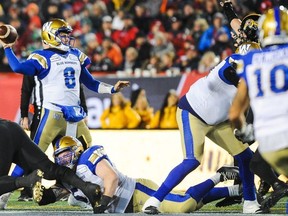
(16, 147)
(124, 194)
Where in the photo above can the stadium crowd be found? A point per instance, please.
(144, 37)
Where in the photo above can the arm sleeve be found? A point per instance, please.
(23, 68)
(229, 12)
(88, 80)
(83, 100)
(28, 85)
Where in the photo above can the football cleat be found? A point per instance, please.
(228, 173)
(37, 187)
(280, 191)
(93, 193)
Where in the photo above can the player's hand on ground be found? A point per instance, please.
(120, 85)
(24, 123)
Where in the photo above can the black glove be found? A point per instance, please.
(105, 200)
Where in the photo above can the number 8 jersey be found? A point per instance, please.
(59, 74)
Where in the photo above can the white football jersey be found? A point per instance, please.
(211, 97)
(60, 77)
(266, 75)
(86, 170)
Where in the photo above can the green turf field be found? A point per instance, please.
(13, 204)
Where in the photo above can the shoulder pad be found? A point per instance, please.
(40, 59)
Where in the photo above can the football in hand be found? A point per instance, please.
(8, 34)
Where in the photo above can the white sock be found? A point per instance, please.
(251, 202)
(152, 201)
(233, 190)
(216, 178)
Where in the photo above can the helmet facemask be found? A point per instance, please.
(250, 29)
(66, 158)
(67, 151)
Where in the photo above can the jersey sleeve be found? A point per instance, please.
(92, 156)
(83, 58)
(19, 67)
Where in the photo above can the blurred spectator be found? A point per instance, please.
(199, 27)
(97, 11)
(165, 117)
(188, 18)
(118, 23)
(99, 61)
(161, 45)
(106, 29)
(127, 35)
(90, 42)
(119, 115)
(31, 33)
(152, 64)
(167, 61)
(130, 61)
(141, 20)
(140, 104)
(207, 62)
(217, 32)
(176, 35)
(171, 11)
(143, 47)
(153, 7)
(50, 9)
(67, 11)
(209, 10)
(189, 62)
(113, 52)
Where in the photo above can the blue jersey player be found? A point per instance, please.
(264, 85)
(124, 194)
(60, 68)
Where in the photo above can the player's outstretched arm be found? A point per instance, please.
(121, 85)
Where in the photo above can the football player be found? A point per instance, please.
(61, 69)
(203, 111)
(17, 147)
(264, 86)
(124, 194)
(246, 37)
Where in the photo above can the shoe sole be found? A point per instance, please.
(38, 188)
(151, 211)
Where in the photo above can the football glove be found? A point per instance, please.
(246, 134)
